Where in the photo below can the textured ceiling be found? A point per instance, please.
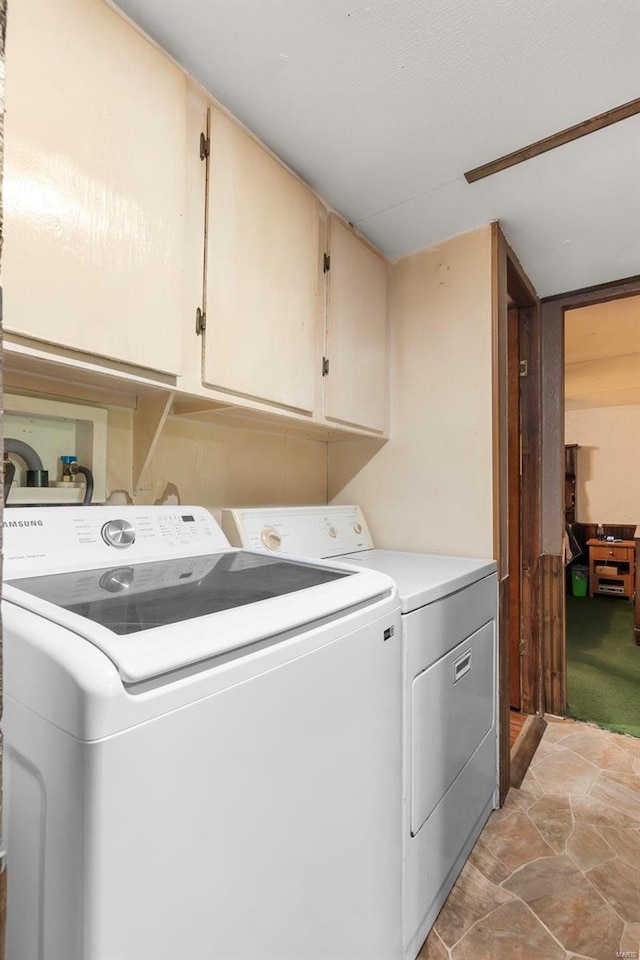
(381, 106)
(602, 354)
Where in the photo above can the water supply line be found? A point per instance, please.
(7, 480)
(75, 468)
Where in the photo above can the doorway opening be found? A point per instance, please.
(602, 509)
(558, 465)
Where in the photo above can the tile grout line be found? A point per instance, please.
(596, 765)
(581, 869)
(523, 865)
(573, 827)
(479, 920)
(540, 835)
(445, 947)
(628, 923)
(601, 895)
(609, 804)
(535, 780)
(543, 924)
(615, 853)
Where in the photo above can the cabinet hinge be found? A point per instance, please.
(524, 645)
(524, 368)
(201, 322)
(325, 366)
(205, 145)
(326, 263)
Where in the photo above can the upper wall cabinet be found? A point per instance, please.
(94, 184)
(263, 273)
(357, 379)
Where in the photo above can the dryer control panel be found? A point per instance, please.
(324, 531)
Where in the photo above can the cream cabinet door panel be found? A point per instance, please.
(94, 184)
(357, 383)
(263, 273)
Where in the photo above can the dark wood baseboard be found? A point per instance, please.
(3, 911)
(552, 577)
(525, 746)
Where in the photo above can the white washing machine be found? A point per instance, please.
(449, 682)
(203, 745)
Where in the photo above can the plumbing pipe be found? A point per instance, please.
(37, 476)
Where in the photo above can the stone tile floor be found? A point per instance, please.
(555, 874)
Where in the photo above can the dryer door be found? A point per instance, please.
(452, 710)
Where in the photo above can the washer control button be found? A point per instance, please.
(271, 538)
(118, 533)
(332, 531)
(357, 528)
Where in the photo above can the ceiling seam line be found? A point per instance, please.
(402, 203)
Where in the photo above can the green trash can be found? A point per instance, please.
(579, 580)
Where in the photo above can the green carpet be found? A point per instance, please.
(603, 663)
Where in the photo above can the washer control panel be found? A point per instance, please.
(325, 531)
(48, 539)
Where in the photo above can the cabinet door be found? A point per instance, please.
(357, 382)
(263, 273)
(93, 184)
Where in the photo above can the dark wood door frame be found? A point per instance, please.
(552, 457)
(514, 502)
(512, 288)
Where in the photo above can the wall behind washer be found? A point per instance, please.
(219, 466)
(431, 486)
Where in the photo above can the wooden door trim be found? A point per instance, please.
(514, 506)
(553, 640)
(510, 284)
(530, 522)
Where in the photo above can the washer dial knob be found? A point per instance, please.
(271, 538)
(357, 528)
(118, 533)
(117, 580)
(332, 531)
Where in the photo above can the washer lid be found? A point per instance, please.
(422, 578)
(153, 617)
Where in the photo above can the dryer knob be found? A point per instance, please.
(271, 538)
(118, 533)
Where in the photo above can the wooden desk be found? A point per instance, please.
(612, 567)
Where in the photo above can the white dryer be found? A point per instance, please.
(203, 745)
(449, 689)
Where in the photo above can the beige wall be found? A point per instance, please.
(219, 466)
(608, 485)
(430, 487)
